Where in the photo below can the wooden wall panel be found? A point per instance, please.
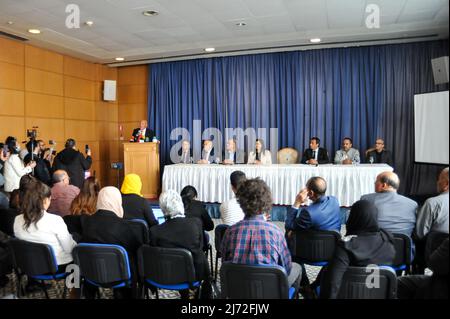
(48, 129)
(11, 51)
(12, 126)
(11, 76)
(81, 130)
(79, 88)
(12, 102)
(79, 68)
(133, 112)
(43, 59)
(79, 109)
(44, 105)
(134, 94)
(43, 82)
(133, 75)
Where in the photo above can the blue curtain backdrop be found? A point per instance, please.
(361, 92)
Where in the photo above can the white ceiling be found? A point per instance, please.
(184, 28)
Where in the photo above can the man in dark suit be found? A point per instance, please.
(233, 155)
(314, 154)
(378, 154)
(142, 133)
(208, 156)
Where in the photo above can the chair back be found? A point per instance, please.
(434, 240)
(315, 247)
(219, 232)
(33, 259)
(403, 252)
(103, 265)
(165, 267)
(240, 281)
(287, 155)
(356, 283)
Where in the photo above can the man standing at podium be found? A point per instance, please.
(142, 133)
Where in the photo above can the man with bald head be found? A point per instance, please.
(396, 213)
(433, 215)
(322, 214)
(63, 194)
(379, 154)
(142, 133)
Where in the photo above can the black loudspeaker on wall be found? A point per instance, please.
(440, 69)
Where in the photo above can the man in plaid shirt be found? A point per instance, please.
(254, 240)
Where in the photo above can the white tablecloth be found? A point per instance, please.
(346, 182)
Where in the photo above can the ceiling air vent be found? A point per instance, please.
(12, 36)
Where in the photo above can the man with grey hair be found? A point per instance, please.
(63, 194)
(180, 232)
(396, 213)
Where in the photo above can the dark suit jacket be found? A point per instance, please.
(137, 207)
(74, 163)
(438, 284)
(238, 156)
(322, 157)
(148, 133)
(184, 233)
(197, 209)
(385, 157)
(41, 171)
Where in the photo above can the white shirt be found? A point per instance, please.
(231, 212)
(266, 157)
(13, 171)
(51, 230)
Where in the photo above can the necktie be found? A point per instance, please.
(314, 155)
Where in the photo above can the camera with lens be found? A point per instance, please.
(32, 134)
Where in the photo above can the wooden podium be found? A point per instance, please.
(143, 159)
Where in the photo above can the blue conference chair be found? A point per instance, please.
(403, 253)
(239, 281)
(219, 232)
(37, 261)
(315, 247)
(103, 265)
(166, 268)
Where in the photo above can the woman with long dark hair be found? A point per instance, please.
(34, 224)
(260, 155)
(195, 208)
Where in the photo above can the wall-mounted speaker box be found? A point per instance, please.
(109, 90)
(440, 69)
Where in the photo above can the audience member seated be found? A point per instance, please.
(195, 208)
(230, 211)
(254, 240)
(365, 244)
(34, 224)
(84, 204)
(8, 214)
(134, 205)
(41, 171)
(14, 168)
(63, 194)
(379, 154)
(314, 154)
(432, 216)
(73, 162)
(185, 153)
(260, 155)
(107, 226)
(180, 232)
(347, 154)
(396, 213)
(207, 153)
(322, 214)
(425, 286)
(233, 155)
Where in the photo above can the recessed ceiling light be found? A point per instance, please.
(210, 49)
(315, 40)
(34, 31)
(150, 13)
(241, 24)
(120, 59)
(89, 23)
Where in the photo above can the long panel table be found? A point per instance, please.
(212, 181)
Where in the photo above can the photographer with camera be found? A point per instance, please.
(73, 162)
(14, 168)
(41, 171)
